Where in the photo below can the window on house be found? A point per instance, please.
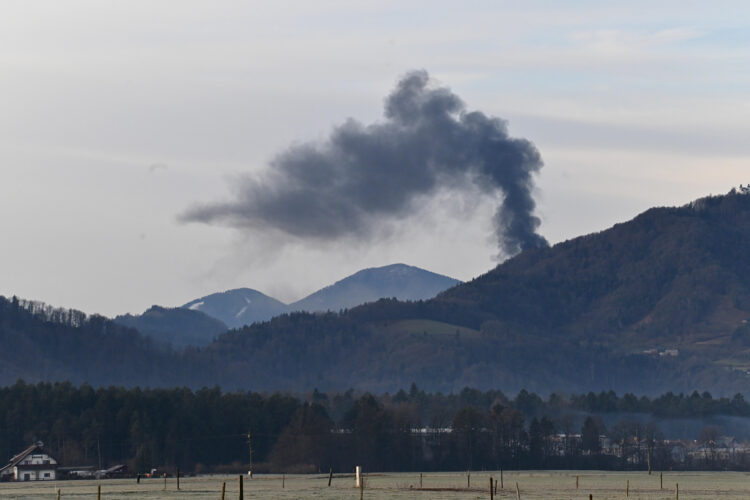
(46, 474)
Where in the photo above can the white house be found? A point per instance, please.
(32, 464)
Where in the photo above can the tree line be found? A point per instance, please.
(210, 430)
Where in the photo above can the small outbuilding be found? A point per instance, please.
(32, 464)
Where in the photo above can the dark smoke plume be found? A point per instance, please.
(366, 175)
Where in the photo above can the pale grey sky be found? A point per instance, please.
(116, 116)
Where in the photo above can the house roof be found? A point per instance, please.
(25, 453)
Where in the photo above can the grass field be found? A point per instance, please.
(426, 326)
(548, 485)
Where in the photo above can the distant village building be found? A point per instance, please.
(32, 464)
(114, 471)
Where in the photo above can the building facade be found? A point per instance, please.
(32, 464)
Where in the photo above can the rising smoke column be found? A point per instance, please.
(365, 176)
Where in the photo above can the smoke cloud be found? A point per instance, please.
(367, 176)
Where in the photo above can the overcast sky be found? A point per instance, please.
(117, 117)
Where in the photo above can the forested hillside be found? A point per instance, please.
(40, 343)
(676, 275)
(359, 349)
(332, 351)
(655, 304)
(177, 327)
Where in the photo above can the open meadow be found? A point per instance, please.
(547, 485)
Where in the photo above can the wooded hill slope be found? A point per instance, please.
(578, 316)
(40, 343)
(177, 327)
(657, 303)
(671, 275)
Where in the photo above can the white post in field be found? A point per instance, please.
(357, 473)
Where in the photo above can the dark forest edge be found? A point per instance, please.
(213, 431)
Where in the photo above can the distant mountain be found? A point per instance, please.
(394, 281)
(244, 306)
(239, 307)
(177, 327)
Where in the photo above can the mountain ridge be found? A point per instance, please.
(659, 303)
(198, 322)
(398, 280)
(366, 285)
(238, 307)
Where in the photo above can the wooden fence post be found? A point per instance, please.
(576, 481)
(518, 492)
(99, 492)
(468, 479)
(661, 479)
(502, 487)
(420, 480)
(330, 476)
(492, 489)
(178, 478)
(58, 493)
(223, 489)
(242, 491)
(676, 491)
